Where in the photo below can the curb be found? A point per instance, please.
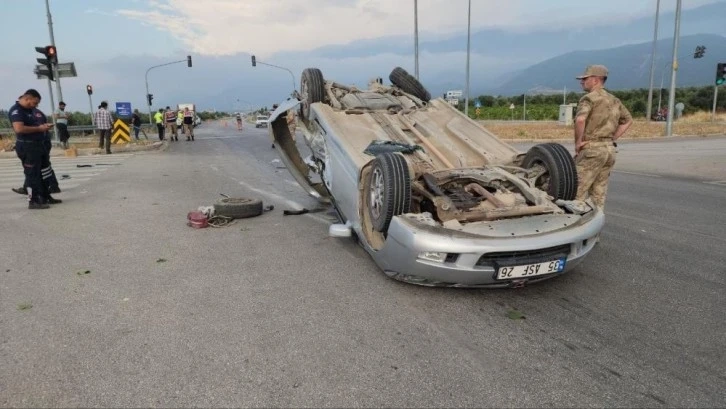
(58, 152)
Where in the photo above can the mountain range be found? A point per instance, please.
(502, 63)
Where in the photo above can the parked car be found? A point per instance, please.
(261, 121)
(434, 197)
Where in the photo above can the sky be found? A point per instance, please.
(92, 33)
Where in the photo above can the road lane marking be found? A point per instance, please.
(638, 173)
(276, 197)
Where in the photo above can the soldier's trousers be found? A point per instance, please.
(594, 163)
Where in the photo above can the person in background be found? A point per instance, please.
(104, 124)
(136, 123)
(170, 118)
(189, 123)
(61, 120)
(159, 120)
(239, 121)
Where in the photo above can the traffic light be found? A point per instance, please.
(51, 59)
(700, 50)
(149, 98)
(89, 89)
(50, 52)
(720, 73)
(189, 62)
(254, 61)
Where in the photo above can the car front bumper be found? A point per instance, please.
(471, 260)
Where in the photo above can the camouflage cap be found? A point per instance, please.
(594, 71)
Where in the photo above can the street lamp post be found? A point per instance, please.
(415, 35)
(652, 64)
(187, 60)
(672, 96)
(468, 44)
(255, 61)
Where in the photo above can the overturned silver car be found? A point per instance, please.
(434, 197)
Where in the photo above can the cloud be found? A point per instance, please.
(225, 27)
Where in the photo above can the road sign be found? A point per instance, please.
(121, 132)
(511, 106)
(66, 69)
(123, 108)
(477, 104)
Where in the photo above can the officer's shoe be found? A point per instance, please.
(20, 190)
(36, 205)
(52, 200)
(54, 189)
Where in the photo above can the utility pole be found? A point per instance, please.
(652, 63)
(52, 42)
(468, 48)
(672, 96)
(415, 35)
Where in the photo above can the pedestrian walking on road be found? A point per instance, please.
(104, 124)
(170, 118)
(239, 121)
(61, 121)
(159, 120)
(600, 120)
(31, 131)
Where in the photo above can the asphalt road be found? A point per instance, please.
(272, 312)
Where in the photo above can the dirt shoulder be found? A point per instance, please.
(639, 129)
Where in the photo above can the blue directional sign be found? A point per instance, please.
(123, 108)
(477, 104)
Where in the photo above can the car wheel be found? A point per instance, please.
(238, 208)
(312, 90)
(408, 83)
(559, 179)
(389, 192)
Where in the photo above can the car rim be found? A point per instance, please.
(376, 195)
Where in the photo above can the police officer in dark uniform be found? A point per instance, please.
(31, 130)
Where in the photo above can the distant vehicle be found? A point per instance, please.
(261, 121)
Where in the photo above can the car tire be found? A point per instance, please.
(562, 181)
(312, 90)
(389, 190)
(408, 83)
(238, 208)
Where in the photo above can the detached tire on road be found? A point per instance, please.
(389, 190)
(312, 90)
(408, 83)
(238, 208)
(560, 180)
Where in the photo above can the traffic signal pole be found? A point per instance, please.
(52, 111)
(52, 42)
(187, 60)
(715, 98)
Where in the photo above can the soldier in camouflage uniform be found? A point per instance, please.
(600, 120)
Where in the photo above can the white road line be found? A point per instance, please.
(716, 182)
(276, 197)
(638, 173)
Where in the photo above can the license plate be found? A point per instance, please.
(529, 270)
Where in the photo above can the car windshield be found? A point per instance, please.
(262, 118)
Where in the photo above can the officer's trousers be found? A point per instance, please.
(31, 154)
